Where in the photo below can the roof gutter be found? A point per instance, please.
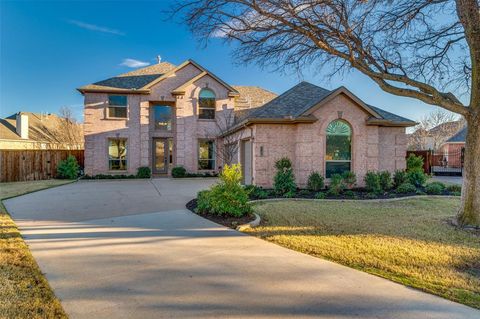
(382, 122)
(247, 122)
(125, 91)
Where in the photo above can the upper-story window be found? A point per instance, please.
(206, 104)
(117, 106)
(163, 117)
(338, 155)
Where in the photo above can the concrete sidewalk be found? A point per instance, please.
(174, 264)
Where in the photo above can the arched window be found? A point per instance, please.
(338, 154)
(206, 104)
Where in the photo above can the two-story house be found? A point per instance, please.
(163, 116)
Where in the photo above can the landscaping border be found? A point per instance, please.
(350, 200)
(253, 223)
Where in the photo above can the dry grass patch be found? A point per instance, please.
(408, 241)
(24, 291)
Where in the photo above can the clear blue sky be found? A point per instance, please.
(50, 48)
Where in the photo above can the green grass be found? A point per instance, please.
(24, 291)
(408, 241)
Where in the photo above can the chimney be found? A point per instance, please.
(159, 59)
(22, 125)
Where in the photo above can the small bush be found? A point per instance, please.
(350, 194)
(454, 188)
(456, 193)
(320, 195)
(228, 197)
(406, 188)
(289, 194)
(385, 179)
(371, 195)
(420, 192)
(399, 177)
(417, 178)
(178, 172)
(256, 192)
(414, 163)
(349, 179)
(434, 188)
(304, 192)
(68, 169)
(372, 182)
(284, 180)
(144, 172)
(315, 182)
(283, 163)
(337, 185)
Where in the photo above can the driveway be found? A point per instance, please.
(129, 249)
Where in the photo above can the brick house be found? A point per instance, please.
(451, 151)
(163, 116)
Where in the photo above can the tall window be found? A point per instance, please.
(117, 106)
(206, 104)
(206, 154)
(338, 155)
(117, 154)
(163, 117)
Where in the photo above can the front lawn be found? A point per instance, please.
(24, 291)
(408, 241)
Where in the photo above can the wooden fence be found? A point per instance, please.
(30, 165)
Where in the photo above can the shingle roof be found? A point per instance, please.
(301, 98)
(461, 136)
(135, 80)
(252, 97)
(41, 127)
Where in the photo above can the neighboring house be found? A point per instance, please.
(163, 116)
(451, 150)
(37, 131)
(432, 139)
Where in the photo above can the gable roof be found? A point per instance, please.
(298, 103)
(140, 81)
(460, 137)
(134, 80)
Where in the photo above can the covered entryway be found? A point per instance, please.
(246, 161)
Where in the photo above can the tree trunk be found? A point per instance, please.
(469, 213)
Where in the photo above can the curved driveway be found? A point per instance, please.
(129, 249)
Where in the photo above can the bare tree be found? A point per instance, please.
(434, 129)
(423, 49)
(227, 144)
(68, 128)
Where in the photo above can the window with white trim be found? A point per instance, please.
(338, 154)
(117, 106)
(117, 154)
(206, 104)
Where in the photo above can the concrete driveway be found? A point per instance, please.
(129, 249)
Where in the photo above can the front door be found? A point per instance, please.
(161, 154)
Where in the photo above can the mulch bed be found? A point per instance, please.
(231, 222)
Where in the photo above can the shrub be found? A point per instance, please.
(349, 179)
(456, 193)
(315, 182)
(434, 188)
(289, 194)
(68, 169)
(385, 179)
(414, 163)
(372, 182)
(284, 180)
(417, 178)
(320, 195)
(454, 188)
(337, 185)
(350, 194)
(420, 192)
(144, 172)
(227, 197)
(304, 192)
(371, 195)
(399, 177)
(256, 192)
(283, 163)
(406, 188)
(203, 202)
(179, 171)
